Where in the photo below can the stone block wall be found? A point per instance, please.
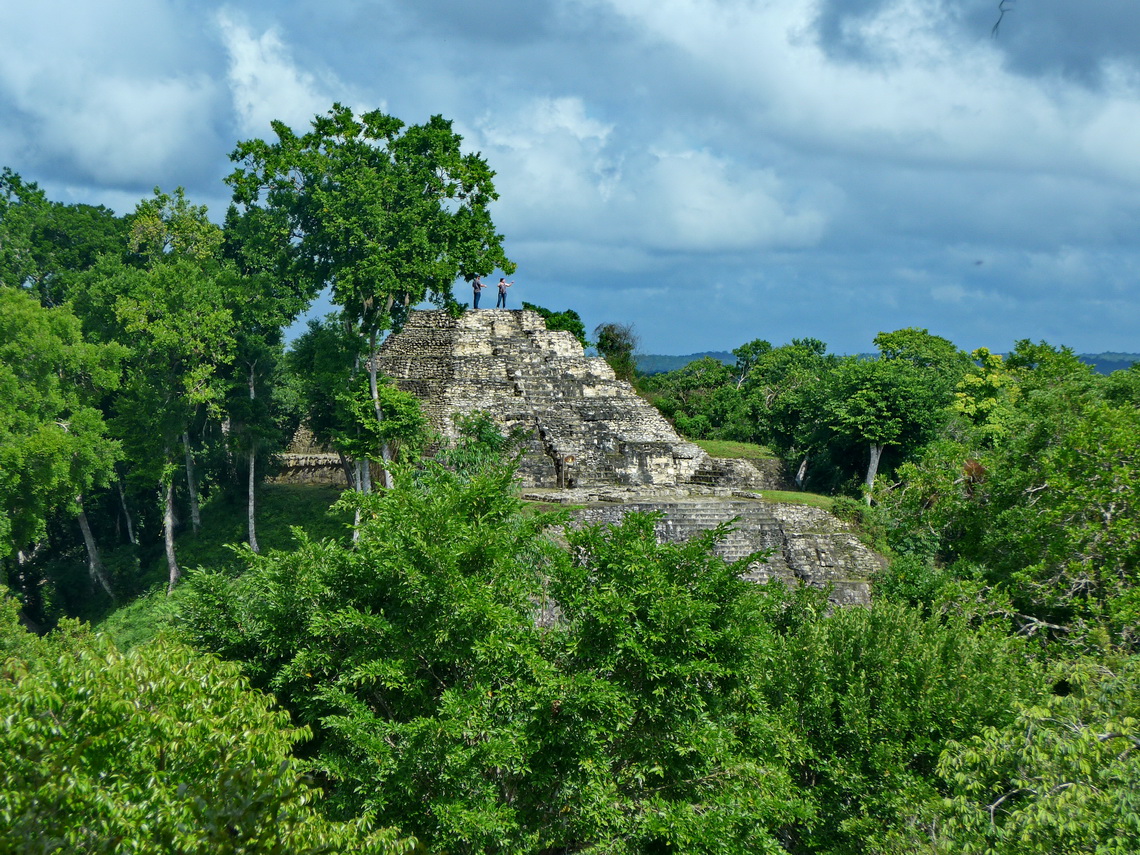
(593, 441)
(585, 427)
(805, 545)
(307, 462)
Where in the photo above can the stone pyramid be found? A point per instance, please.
(586, 428)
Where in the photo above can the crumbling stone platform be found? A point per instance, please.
(596, 445)
(585, 427)
(801, 544)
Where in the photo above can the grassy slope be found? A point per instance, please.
(217, 547)
(749, 451)
(742, 450)
(816, 500)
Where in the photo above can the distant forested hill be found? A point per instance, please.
(655, 363)
(1106, 363)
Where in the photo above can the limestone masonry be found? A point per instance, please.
(801, 544)
(594, 442)
(586, 427)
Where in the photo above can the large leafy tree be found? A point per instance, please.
(784, 389)
(386, 215)
(160, 750)
(22, 205)
(899, 399)
(880, 404)
(468, 681)
(173, 303)
(1064, 503)
(54, 445)
(616, 343)
(44, 244)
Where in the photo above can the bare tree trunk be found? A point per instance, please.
(346, 465)
(252, 470)
(385, 451)
(195, 516)
(364, 468)
(94, 563)
(167, 492)
(23, 557)
(29, 584)
(252, 488)
(126, 513)
(227, 428)
(873, 468)
(801, 473)
(361, 479)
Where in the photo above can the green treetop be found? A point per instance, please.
(53, 441)
(160, 750)
(386, 215)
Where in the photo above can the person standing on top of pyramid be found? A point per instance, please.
(503, 286)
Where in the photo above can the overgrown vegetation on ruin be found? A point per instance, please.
(423, 665)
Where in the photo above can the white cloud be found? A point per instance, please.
(924, 99)
(568, 115)
(707, 204)
(93, 92)
(265, 83)
(565, 175)
(554, 168)
(1064, 269)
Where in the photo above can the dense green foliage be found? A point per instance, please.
(1035, 490)
(481, 687)
(1060, 777)
(162, 750)
(876, 694)
(44, 244)
(447, 690)
(1012, 491)
(829, 417)
(481, 675)
(54, 443)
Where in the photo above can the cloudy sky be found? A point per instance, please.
(711, 171)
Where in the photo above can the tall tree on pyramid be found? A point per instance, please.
(385, 215)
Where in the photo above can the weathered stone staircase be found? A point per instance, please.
(733, 472)
(594, 443)
(585, 426)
